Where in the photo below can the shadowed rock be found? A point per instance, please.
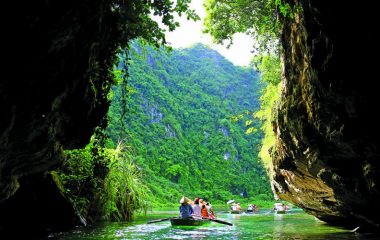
(327, 154)
(59, 56)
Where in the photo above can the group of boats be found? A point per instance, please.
(236, 208)
(240, 212)
(279, 208)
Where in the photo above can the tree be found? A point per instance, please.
(269, 67)
(257, 18)
(136, 21)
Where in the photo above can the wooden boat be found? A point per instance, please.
(235, 211)
(279, 208)
(252, 211)
(280, 211)
(188, 221)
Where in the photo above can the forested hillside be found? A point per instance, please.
(178, 123)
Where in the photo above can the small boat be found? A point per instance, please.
(249, 211)
(279, 208)
(188, 221)
(235, 211)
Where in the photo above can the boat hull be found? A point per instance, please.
(280, 212)
(188, 221)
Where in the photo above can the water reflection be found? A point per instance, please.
(278, 217)
(264, 225)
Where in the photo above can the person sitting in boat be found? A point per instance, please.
(210, 211)
(279, 207)
(276, 206)
(185, 210)
(234, 207)
(255, 208)
(204, 212)
(250, 208)
(285, 207)
(197, 208)
(238, 208)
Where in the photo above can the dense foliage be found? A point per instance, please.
(179, 123)
(176, 113)
(260, 19)
(103, 183)
(270, 68)
(135, 18)
(257, 18)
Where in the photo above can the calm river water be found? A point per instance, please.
(265, 225)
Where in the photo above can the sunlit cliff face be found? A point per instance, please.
(326, 157)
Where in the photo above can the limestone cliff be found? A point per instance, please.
(327, 154)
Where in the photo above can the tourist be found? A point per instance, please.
(250, 208)
(204, 212)
(185, 209)
(197, 208)
(238, 208)
(255, 208)
(234, 207)
(210, 211)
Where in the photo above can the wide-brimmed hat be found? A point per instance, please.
(184, 200)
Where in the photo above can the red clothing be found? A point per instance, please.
(204, 211)
(211, 214)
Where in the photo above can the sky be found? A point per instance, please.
(190, 32)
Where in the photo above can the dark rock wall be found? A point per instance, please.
(58, 54)
(327, 154)
(38, 206)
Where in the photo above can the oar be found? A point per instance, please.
(158, 220)
(218, 221)
(221, 221)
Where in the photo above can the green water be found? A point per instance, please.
(264, 225)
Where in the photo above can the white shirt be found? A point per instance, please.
(197, 210)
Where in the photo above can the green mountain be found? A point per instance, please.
(178, 123)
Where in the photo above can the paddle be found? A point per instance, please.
(158, 220)
(221, 221)
(217, 220)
